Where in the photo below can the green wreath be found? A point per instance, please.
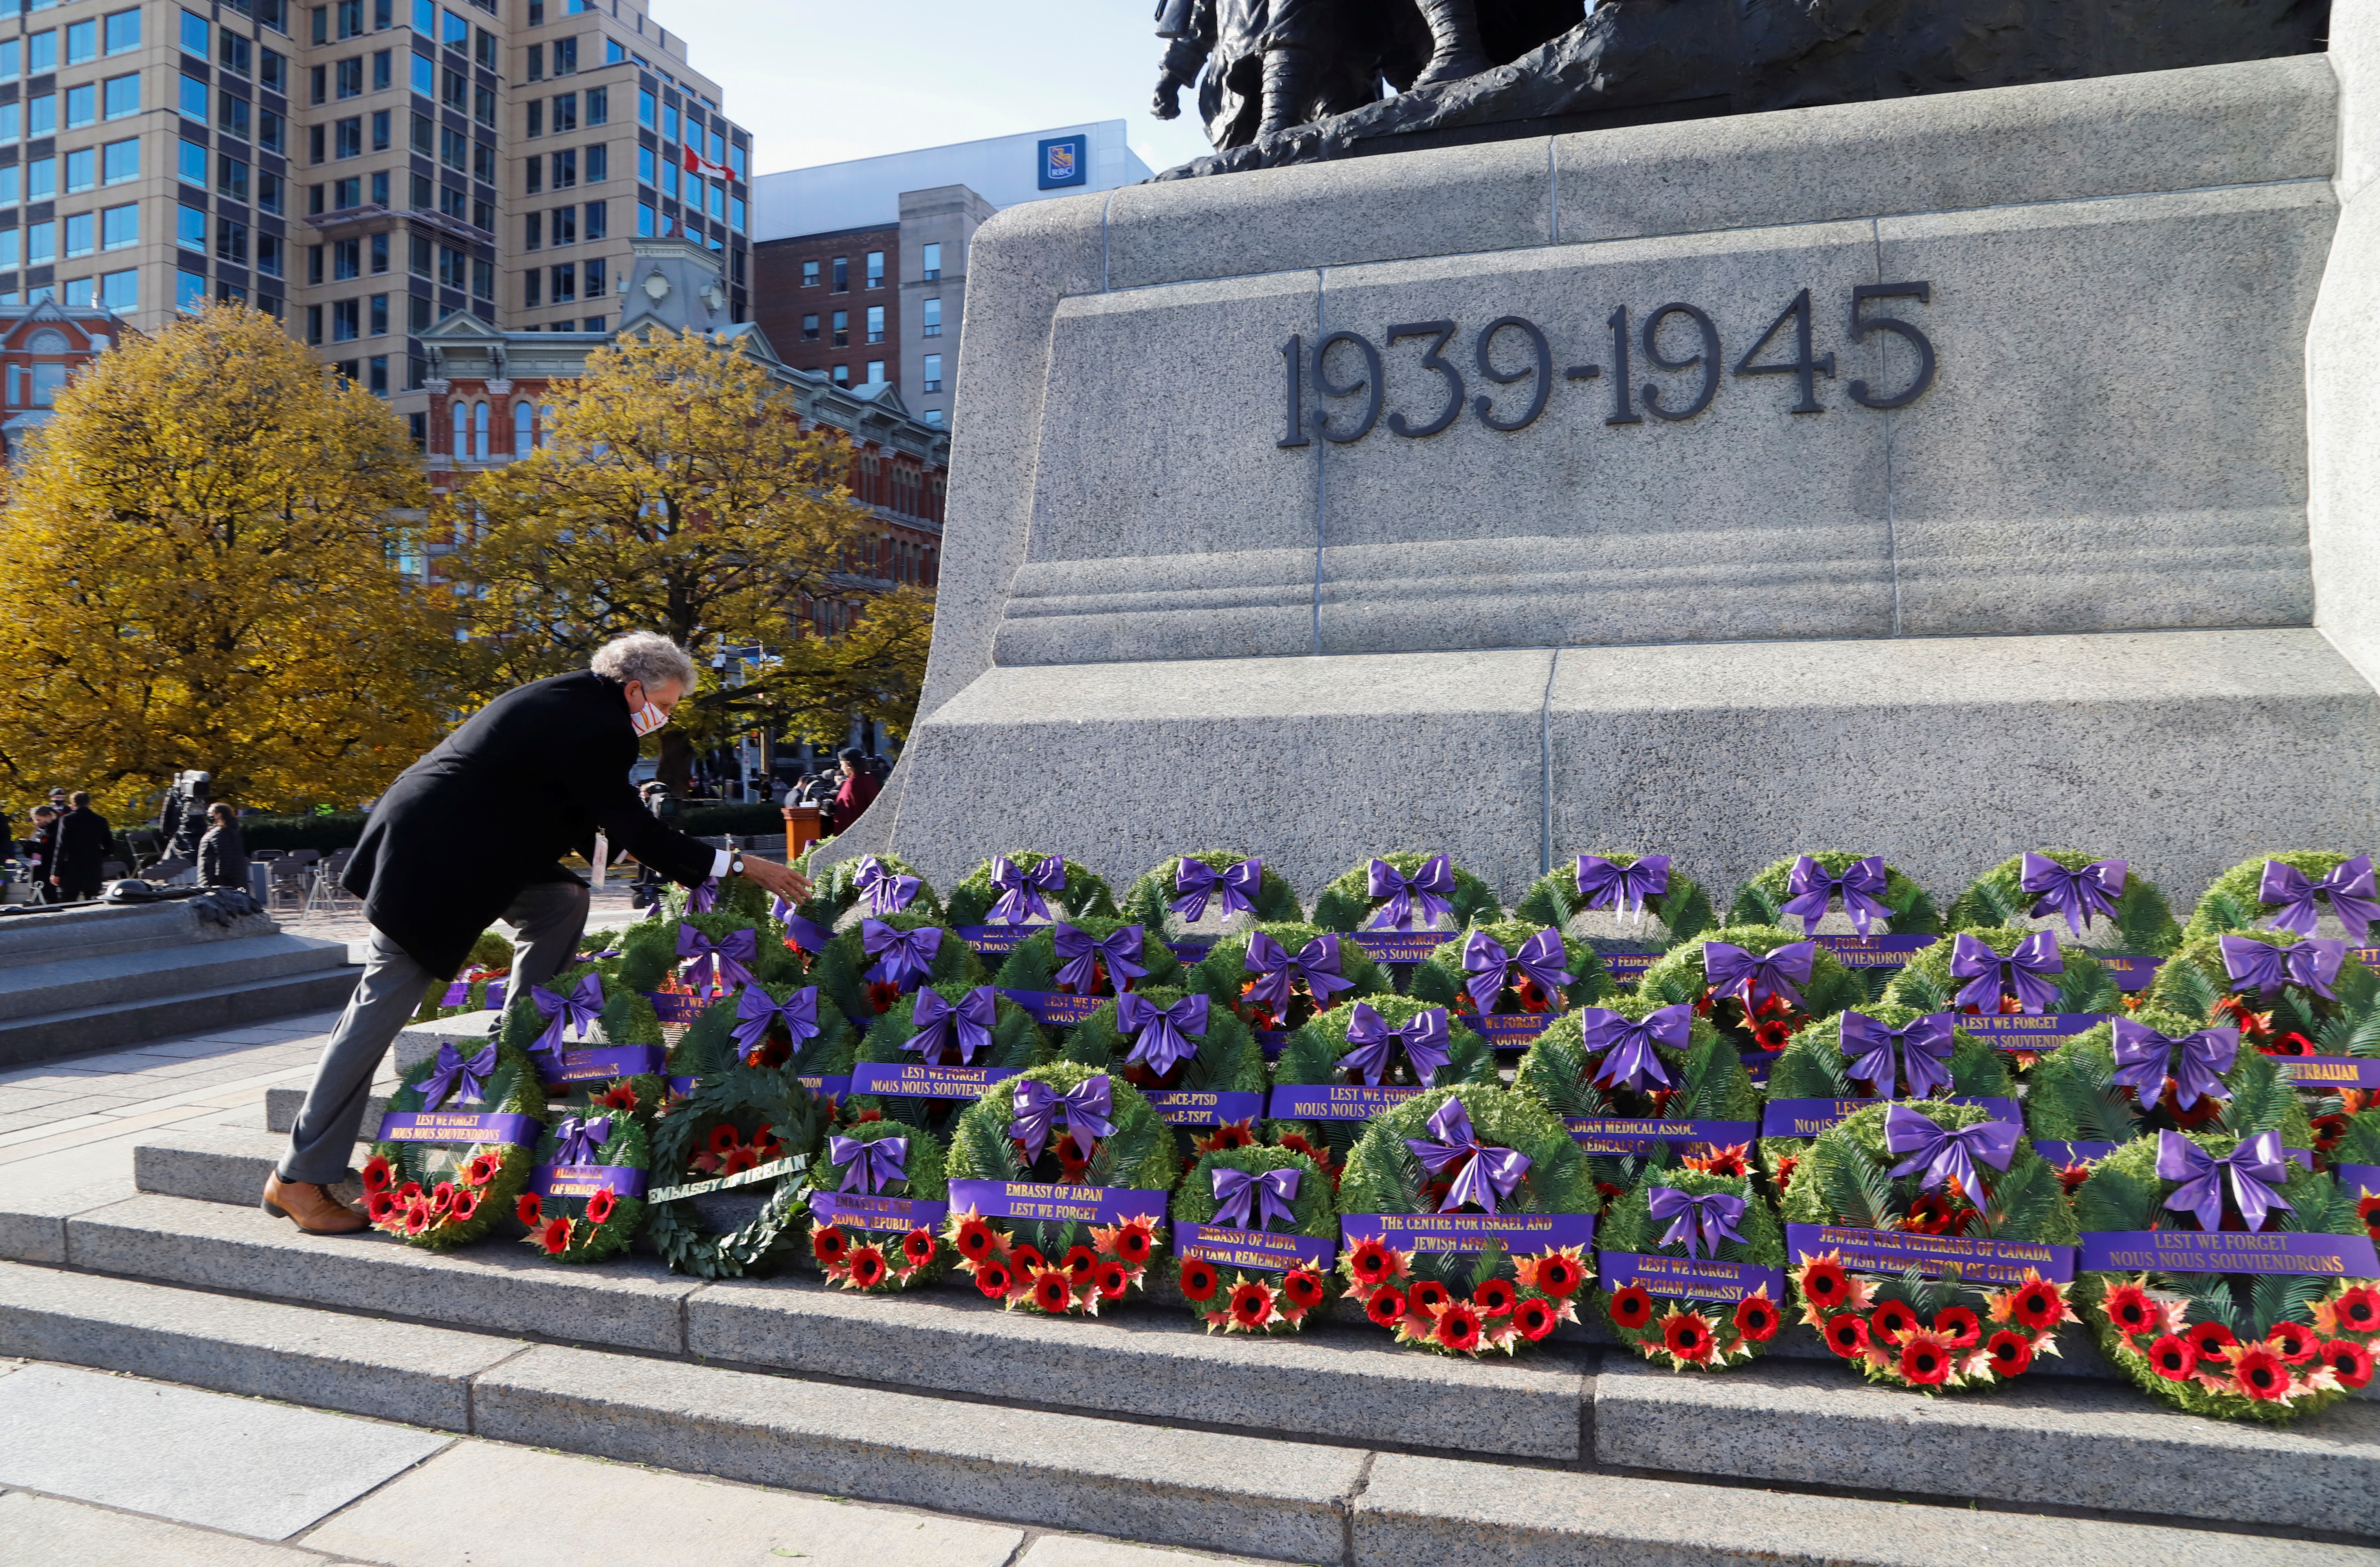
(649, 960)
(2072, 1097)
(1680, 913)
(490, 959)
(1224, 975)
(1926, 983)
(2269, 1347)
(1347, 905)
(1761, 900)
(2352, 1139)
(1707, 1077)
(1440, 979)
(1044, 1264)
(836, 900)
(2142, 923)
(2229, 905)
(1277, 1300)
(1149, 900)
(600, 1225)
(1229, 1060)
(1687, 1335)
(627, 1019)
(709, 1045)
(1679, 977)
(1505, 1301)
(1814, 1067)
(1311, 1055)
(842, 971)
(1926, 1334)
(1034, 964)
(722, 1129)
(918, 1255)
(431, 1193)
(2196, 982)
(739, 897)
(1085, 895)
(1018, 1044)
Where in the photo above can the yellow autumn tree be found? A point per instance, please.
(676, 492)
(201, 557)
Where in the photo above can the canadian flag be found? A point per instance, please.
(697, 163)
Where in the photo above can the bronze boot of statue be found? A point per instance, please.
(1288, 89)
(1456, 51)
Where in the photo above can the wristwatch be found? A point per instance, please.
(735, 863)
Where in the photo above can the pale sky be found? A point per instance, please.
(818, 82)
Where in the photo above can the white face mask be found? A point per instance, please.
(646, 719)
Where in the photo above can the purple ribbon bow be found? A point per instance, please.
(1425, 1039)
(1158, 1032)
(582, 1009)
(2256, 1168)
(1087, 1106)
(966, 1028)
(704, 897)
(1604, 884)
(2350, 886)
(1082, 951)
(1923, 1046)
(757, 1013)
(1020, 890)
(464, 1077)
(876, 1164)
(811, 936)
(576, 1141)
(2253, 966)
(1809, 889)
(1947, 1155)
(2142, 1054)
(1732, 971)
(2025, 971)
(1197, 881)
(1540, 959)
(2077, 894)
(1316, 962)
(1270, 1193)
(1428, 887)
(905, 958)
(726, 957)
(1705, 1219)
(1484, 1173)
(1629, 1059)
(886, 890)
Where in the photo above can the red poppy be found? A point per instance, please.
(1826, 1284)
(464, 1204)
(2359, 1309)
(1199, 1280)
(529, 1210)
(1756, 1318)
(1427, 1297)
(1223, 1138)
(1370, 1263)
(1051, 1291)
(1926, 1359)
(377, 1174)
(621, 1095)
(2213, 1341)
(1960, 1326)
(2129, 1310)
(1534, 1319)
(722, 1137)
(601, 1206)
(829, 1243)
(738, 1161)
(867, 1268)
(2071, 1176)
(378, 1206)
(2368, 1209)
(1847, 1336)
(2173, 1358)
(1729, 1161)
(2010, 1352)
(1495, 1297)
(2037, 1305)
(1458, 1329)
(1773, 1036)
(1251, 1304)
(417, 1218)
(443, 1197)
(918, 1247)
(1080, 1262)
(1303, 1288)
(2260, 1373)
(481, 1170)
(1027, 1259)
(881, 997)
(1385, 1307)
(1559, 1276)
(1632, 1307)
(1785, 1171)
(1686, 1336)
(1134, 1244)
(994, 1279)
(977, 1240)
(409, 1191)
(2349, 1361)
(555, 1237)
(1892, 1320)
(2293, 1341)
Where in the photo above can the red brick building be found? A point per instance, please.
(40, 346)
(831, 302)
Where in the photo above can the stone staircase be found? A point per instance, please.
(93, 978)
(1327, 1447)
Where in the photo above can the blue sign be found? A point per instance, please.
(1065, 160)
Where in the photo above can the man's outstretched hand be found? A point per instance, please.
(783, 880)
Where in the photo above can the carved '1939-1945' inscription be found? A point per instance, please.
(1530, 382)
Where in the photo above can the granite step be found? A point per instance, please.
(79, 1030)
(1256, 1495)
(73, 979)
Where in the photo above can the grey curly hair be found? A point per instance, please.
(645, 656)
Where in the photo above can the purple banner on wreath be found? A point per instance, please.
(603, 1065)
(1626, 968)
(1272, 1041)
(1203, 1107)
(1053, 1203)
(1508, 1030)
(1874, 952)
(677, 1006)
(1757, 1064)
(1192, 949)
(1807, 1118)
(2358, 1180)
(1402, 947)
(1977, 1258)
(1335, 1101)
(2330, 1071)
(680, 1085)
(1057, 1009)
(2026, 1030)
(446, 1127)
(1690, 1278)
(826, 1087)
(862, 1211)
(1620, 1134)
(1523, 1234)
(997, 941)
(1253, 1248)
(917, 1080)
(586, 1180)
(2131, 972)
(2061, 1153)
(2227, 1251)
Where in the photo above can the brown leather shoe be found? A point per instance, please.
(312, 1207)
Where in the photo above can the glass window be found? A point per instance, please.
(565, 225)
(192, 165)
(376, 319)
(425, 19)
(119, 227)
(566, 169)
(234, 121)
(532, 288)
(522, 441)
(669, 124)
(82, 105)
(41, 52)
(646, 108)
(875, 269)
(532, 231)
(933, 372)
(123, 30)
(599, 224)
(82, 42)
(875, 371)
(599, 105)
(120, 95)
(934, 417)
(236, 54)
(48, 382)
(425, 76)
(614, 52)
(809, 328)
(565, 112)
(231, 243)
(9, 114)
(41, 243)
(268, 255)
(120, 291)
(194, 99)
(644, 220)
(537, 116)
(719, 210)
(269, 198)
(231, 177)
(533, 175)
(842, 274)
(566, 284)
(190, 227)
(383, 64)
(270, 131)
(351, 76)
(598, 163)
(345, 318)
(349, 138)
(190, 290)
(347, 260)
(82, 170)
(195, 39)
(75, 293)
(10, 239)
(565, 56)
(380, 124)
(645, 165)
(82, 234)
(876, 323)
(668, 176)
(41, 115)
(842, 375)
(809, 274)
(736, 160)
(378, 254)
(346, 193)
(537, 62)
(12, 57)
(459, 32)
(735, 214)
(42, 178)
(933, 311)
(274, 73)
(11, 191)
(842, 326)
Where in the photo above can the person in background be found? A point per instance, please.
(39, 852)
(82, 839)
(223, 853)
(857, 791)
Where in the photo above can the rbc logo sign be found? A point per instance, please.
(1064, 161)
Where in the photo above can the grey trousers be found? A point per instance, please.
(551, 916)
